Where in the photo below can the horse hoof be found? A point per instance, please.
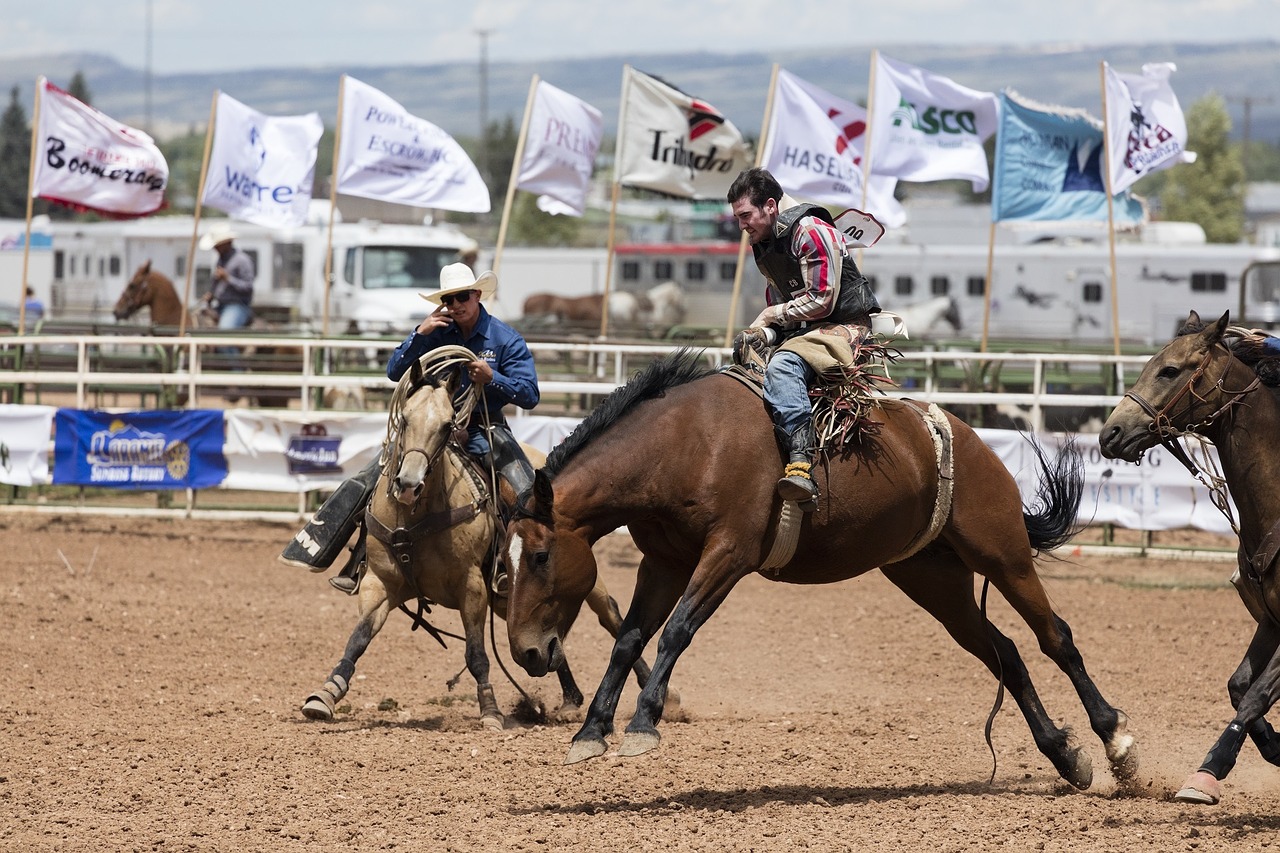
(1080, 774)
(317, 707)
(638, 743)
(1201, 788)
(567, 713)
(492, 722)
(671, 705)
(1122, 751)
(581, 750)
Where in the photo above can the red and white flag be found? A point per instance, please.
(673, 143)
(560, 150)
(814, 149)
(1146, 131)
(261, 167)
(88, 160)
(926, 127)
(389, 155)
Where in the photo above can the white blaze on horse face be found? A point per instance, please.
(513, 554)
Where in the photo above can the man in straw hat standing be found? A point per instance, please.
(503, 367)
(232, 291)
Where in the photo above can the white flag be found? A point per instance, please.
(389, 155)
(89, 160)
(929, 128)
(261, 167)
(1146, 131)
(560, 150)
(814, 150)
(675, 144)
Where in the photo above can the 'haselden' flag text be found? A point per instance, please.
(389, 155)
(1146, 129)
(814, 149)
(261, 167)
(1049, 166)
(929, 128)
(90, 161)
(675, 144)
(560, 150)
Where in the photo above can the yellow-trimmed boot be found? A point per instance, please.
(797, 478)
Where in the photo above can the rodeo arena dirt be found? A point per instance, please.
(157, 668)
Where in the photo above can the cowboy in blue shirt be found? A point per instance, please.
(503, 367)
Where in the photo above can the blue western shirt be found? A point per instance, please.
(514, 378)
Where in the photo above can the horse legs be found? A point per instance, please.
(945, 591)
(375, 605)
(656, 593)
(1014, 575)
(1254, 688)
(606, 609)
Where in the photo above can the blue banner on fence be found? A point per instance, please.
(139, 450)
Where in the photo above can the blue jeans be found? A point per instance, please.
(234, 315)
(786, 390)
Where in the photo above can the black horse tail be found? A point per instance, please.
(1051, 521)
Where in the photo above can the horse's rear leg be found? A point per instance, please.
(374, 608)
(606, 609)
(1017, 581)
(945, 590)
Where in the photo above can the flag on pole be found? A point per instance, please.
(1146, 129)
(88, 160)
(261, 167)
(1049, 166)
(814, 149)
(389, 155)
(675, 144)
(929, 128)
(560, 150)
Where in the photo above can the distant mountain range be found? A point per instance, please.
(1246, 74)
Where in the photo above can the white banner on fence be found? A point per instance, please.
(24, 444)
(295, 452)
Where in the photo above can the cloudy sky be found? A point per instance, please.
(188, 35)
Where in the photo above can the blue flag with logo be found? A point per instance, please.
(174, 449)
(1049, 166)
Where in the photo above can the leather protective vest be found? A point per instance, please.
(854, 303)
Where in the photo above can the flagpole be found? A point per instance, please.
(515, 175)
(866, 137)
(195, 224)
(731, 325)
(613, 205)
(1111, 221)
(986, 290)
(31, 188)
(333, 206)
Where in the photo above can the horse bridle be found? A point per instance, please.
(1163, 427)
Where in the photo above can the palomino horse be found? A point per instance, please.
(155, 291)
(1201, 384)
(434, 526)
(672, 456)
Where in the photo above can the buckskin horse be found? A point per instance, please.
(432, 526)
(687, 460)
(1201, 384)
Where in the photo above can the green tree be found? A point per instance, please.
(79, 89)
(1209, 191)
(15, 157)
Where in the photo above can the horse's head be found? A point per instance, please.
(422, 428)
(952, 314)
(138, 294)
(1181, 389)
(552, 570)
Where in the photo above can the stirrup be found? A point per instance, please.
(797, 485)
(348, 580)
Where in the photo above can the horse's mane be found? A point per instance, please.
(1246, 345)
(679, 368)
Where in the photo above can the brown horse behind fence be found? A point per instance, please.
(154, 291)
(687, 460)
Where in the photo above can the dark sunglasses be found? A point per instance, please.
(461, 298)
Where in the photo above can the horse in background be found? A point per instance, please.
(920, 317)
(154, 291)
(661, 307)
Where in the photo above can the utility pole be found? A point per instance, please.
(1247, 125)
(484, 103)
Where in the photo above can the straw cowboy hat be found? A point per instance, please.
(216, 236)
(455, 278)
